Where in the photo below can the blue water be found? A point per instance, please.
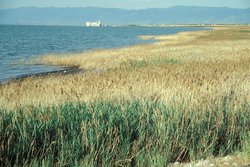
(19, 44)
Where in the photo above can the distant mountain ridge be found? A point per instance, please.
(113, 16)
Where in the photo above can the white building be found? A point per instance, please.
(93, 24)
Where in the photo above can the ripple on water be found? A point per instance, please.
(22, 43)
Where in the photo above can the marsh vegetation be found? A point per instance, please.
(121, 133)
(183, 98)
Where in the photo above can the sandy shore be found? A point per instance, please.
(196, 68)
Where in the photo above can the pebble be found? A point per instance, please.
(227, 158)
(223, 162)
(234, 164)
(206, 162)
(176, 164)
(188, 165)
(202, 163)
(199, 164)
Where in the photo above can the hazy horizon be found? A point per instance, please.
(124, 8)
(128, 4)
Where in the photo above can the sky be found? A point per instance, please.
(125, 4)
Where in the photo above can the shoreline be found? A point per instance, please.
(18, 77)
(182, 50)
(65, 71)
(176, 38)
(201, 77)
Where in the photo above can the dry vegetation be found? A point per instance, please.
(197, 68)
(183, 98)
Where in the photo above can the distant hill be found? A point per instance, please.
(78, 16)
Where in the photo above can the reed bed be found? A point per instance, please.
(197, 67)
(183, 98)
(120, 133)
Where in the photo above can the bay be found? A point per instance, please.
(20, 44)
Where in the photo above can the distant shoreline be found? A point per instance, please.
(135, 25)
(198, 25)
(117, 16)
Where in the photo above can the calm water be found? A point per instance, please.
(19, 44)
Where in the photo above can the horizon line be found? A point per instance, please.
(125, 8)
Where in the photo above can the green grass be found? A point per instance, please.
(120, 133)
(245, 31)
(158, 61)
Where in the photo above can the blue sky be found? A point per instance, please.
(127, 4)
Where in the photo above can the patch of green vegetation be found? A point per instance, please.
(245, 31)
(246, 145)
(121, 133)
(159, 61)
(138, 63)
(162, 61)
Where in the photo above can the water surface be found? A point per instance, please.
(19, 44)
